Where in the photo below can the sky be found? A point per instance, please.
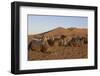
(42, 23)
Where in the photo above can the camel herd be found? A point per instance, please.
(45, 42)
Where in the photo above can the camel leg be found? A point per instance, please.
(29, 46)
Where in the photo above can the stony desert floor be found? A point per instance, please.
(59, 53)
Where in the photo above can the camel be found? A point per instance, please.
(35, 44)
(41, 44)
(77, 41)
(46, 43)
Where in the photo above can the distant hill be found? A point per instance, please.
(65, 31)
(62, 31)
